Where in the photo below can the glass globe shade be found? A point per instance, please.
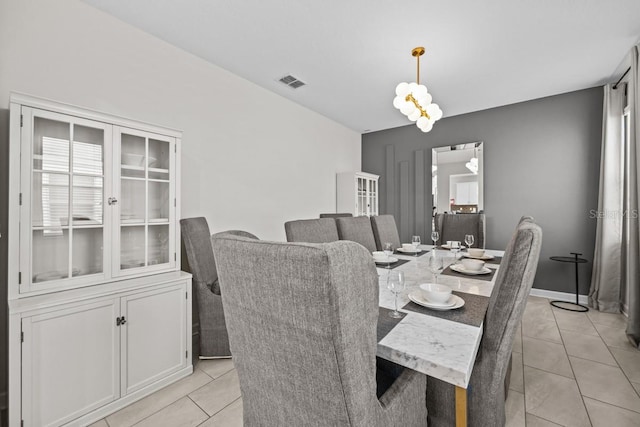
(425, 100)
(420, 91)
(402, 89)
(398, 102)
(408, 108)
(415, 115)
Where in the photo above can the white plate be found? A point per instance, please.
(389, 260)
(460, 269)
(484, 257)
(416, 296)
(410, 251)
(449, 247)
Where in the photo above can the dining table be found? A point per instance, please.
(440, 344)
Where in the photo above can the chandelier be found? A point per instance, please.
(414, 101)
(472, 165)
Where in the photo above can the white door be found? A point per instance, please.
(70, 362)
(153, 336)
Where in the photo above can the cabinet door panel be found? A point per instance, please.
(64, 159)
(70, 363)
(153, 338)
(144, 227)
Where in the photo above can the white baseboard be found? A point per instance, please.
(561, 296)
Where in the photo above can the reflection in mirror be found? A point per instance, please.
(457, 178)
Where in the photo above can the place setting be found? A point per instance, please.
(412, 249)
(480, 254)
(440, 301)
(385, 259)
(470, 267)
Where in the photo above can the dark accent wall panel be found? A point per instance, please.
(419, 194)
(405, 226)
(541, 158)
(389, 180)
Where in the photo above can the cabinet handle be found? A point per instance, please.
(123, 320)
(112, 201)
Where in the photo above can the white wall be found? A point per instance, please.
(247, 173)
(252, 173)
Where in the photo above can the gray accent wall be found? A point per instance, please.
(541, 158)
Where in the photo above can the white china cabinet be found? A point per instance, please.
(357, 193)
(99, 313)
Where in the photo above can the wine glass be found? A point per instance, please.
(455, 248)
(468, 239)
(415, 241)
(435, 236)
(395, 283)
(436, 266)
(387, 248)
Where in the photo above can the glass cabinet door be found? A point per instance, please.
(67, 176)
(146, 202)
(373, 197)
(361, 203)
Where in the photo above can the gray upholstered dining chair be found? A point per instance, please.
(357, 229)
(385, 230)
(214, 342)
(322, 230)
(302, 327)
(336, 215)
(506, 306)
(456, 226)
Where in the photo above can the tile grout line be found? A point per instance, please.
(167, 405)
(201, 408)
(615, 406)
(575, 378)
(240, 398)
(614, 357)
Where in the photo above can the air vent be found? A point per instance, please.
(292, 81)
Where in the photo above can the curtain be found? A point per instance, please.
(604, 294)
(631, 227)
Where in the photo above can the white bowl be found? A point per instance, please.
(435, 293)
(408, 247)
(133, 159)
(379, 255)
(476, 253)
(472, 264)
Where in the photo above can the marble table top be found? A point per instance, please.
(438, 347)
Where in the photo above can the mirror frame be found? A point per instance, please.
(475, 149)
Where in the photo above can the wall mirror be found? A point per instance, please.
(457, 178)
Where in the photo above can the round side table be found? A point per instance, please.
(575, 260)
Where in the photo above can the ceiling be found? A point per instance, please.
(352, 53)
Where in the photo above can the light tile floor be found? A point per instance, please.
(569, 369)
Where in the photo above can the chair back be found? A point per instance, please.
(335, 215)
(506, 307)
(512, 286)
(357, 229)
(302, 329)
(385, 230)
(321, 230)
(197, 244)
(456, 226)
